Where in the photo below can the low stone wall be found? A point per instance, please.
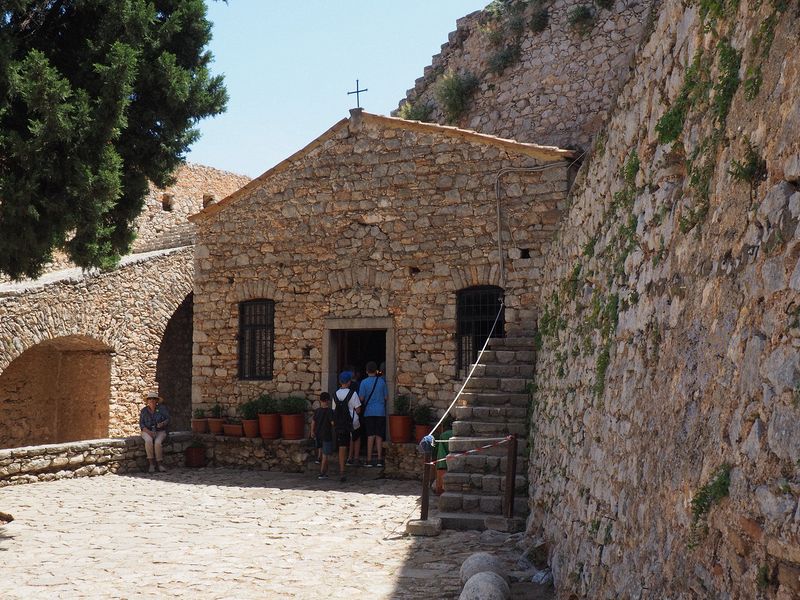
(124, 455)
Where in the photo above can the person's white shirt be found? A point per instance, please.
(354, 403)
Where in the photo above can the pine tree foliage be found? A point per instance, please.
(96, 98)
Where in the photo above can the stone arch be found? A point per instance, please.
(242, 291)
(472, 276)
(174, 365)
(56, 391)
(357, 277)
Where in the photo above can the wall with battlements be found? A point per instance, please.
(559, 83)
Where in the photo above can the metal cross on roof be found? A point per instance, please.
(357, 92)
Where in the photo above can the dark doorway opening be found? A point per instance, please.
(354, 348)
(174, 366)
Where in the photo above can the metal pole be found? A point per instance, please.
(426, 487)
(511, 474)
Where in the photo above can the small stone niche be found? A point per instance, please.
(167, 202)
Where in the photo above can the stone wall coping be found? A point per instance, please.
(546, 153)
(76, 274)
(84, 445)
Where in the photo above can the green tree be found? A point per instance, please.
(97, 97)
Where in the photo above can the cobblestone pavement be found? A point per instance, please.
(217, 533)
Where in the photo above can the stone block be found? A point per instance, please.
(428, 528)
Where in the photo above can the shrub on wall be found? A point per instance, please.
(581, 18)
(454, 91)
(539, 20)
(413, 111)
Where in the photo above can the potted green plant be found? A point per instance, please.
(233, 427)
(199, 421)
(423, 419)
(269, 421)
(195, 454)
(249, 412)
(293, 419)
(400, 420)
(215, 419)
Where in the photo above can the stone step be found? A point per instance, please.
(486, 398)
(466, 482)
(508, 357)
(515, 342)
(493, 414)
(462, 444)
(479, 522)
(500, 384)
(484, 503)
(499, 370)
(481, 428)
(484, 463)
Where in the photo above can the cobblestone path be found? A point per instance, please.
(217, 533)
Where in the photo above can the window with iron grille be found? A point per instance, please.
(476, 310)
(256, 339)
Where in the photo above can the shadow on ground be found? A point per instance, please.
(368, 480)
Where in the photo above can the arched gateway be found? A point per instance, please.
(56, 391)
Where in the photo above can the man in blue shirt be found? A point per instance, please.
(373, 394)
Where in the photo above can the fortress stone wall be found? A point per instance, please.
(666, 453)
(559, 90)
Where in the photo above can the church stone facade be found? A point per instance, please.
(357, 247)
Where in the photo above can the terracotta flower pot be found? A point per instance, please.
(399, 429)
(215, 425)
(250, 427)
(233, 429)
(420, 431)
(195, 457)
(293, 427)
(199, 425)
(270, 426)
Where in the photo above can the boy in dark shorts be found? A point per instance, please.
(322, 432)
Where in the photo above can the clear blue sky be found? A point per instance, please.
(288, 66)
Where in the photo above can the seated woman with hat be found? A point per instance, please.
(153, 421)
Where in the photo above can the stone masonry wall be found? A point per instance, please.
(379, 218)
(194, 187)
(666, 433)
(122, 314)
(124, 311)
(561, 87)
(127, 455)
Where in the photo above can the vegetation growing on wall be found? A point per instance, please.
(415, 111)
(708, 495)
(581, 18)
(454, 92)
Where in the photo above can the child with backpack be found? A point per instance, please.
(322, 432)
(345, 417)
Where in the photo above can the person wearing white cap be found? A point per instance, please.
(153, 421)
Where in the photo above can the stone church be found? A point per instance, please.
(383, 239)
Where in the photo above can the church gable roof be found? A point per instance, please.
(358, 116)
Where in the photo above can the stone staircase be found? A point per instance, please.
(494, 404)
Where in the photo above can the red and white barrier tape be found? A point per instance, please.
(473, 451)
